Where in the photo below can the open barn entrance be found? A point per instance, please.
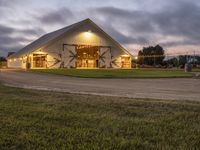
(126, 62)
(87, 56)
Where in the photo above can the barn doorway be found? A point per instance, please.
(87, 56)
(126, 62)
(39, 61)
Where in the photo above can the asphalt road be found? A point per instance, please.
(168, 89)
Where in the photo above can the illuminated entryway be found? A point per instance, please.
(39, 60)
(126, 61)
(87, 56)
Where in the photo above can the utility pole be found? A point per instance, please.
(178, 61)
(194, 59)
(142, 60)
(187, 57)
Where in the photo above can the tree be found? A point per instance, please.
(2, 59)
(172, 62)
(151, 55)
(181, 60)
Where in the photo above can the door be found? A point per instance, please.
(69, 56)
(39, 61)
(105, 58)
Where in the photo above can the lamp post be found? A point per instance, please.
(136, 58)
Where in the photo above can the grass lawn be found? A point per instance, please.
(31, 119)
(117, 73)
(196, 70)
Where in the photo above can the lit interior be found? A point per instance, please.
(39, 60)
(125, 61)
(87, 56)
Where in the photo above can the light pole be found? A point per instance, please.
(136, 58)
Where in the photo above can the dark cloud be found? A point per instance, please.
(176, 22)
(178, 43)
(10, 42)
(32, 32)
(134, 21)
(4, 3)
(116, 34)
(5, 30)
(180, 19)
(59, 16)
(183, 20)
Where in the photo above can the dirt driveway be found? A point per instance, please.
(169, 89)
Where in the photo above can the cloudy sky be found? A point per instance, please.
(174, 24)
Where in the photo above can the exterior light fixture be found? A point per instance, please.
(88, 34)
(136, 65)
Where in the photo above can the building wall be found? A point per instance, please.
(19, 63)
(79, 37)
(14, 63)
(54, 50)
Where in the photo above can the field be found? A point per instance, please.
(117, 73)
(32, 119)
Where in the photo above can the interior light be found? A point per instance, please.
(39, 52)
(125, 55)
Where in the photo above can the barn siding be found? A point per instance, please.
(77, 37)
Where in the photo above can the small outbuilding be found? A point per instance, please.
(80, 45)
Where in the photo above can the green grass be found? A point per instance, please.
(117, 73)
(31, 119)
(196, 70)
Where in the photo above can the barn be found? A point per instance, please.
(81, 45)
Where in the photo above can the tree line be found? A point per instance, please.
(151, 55)
(155, 56)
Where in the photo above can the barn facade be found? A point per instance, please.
(81, 45)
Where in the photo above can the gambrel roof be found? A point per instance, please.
(47, 38)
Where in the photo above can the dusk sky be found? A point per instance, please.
(174, 24)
